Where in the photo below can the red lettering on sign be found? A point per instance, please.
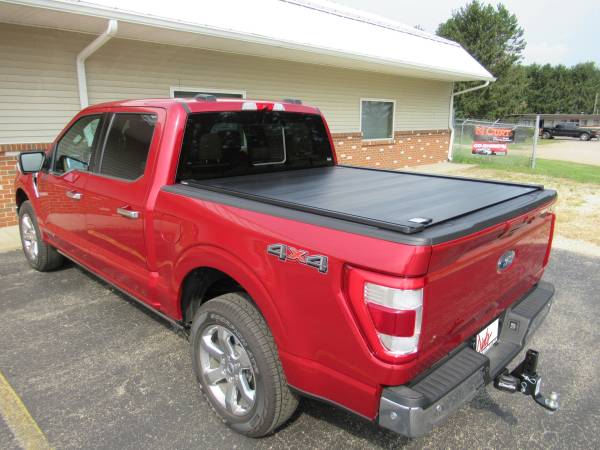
(490, 131)
(484, 342)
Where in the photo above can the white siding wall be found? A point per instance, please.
(38, 89)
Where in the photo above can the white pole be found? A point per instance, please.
(111, 30)
(596, 104)
(451, 113)
(535, 140)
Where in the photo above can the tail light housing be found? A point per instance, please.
(389, 310)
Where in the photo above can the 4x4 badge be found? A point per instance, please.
(288, 253)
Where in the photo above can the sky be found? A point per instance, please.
(556, 31)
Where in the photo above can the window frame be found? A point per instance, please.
(105, 132)
(200, 90)
(382, 100)
(96, 147)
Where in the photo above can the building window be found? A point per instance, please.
(377, 118)
(191, 92)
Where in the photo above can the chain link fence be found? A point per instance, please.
(494, 143)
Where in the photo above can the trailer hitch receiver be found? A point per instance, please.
(526, 380)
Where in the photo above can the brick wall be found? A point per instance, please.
(407, 148)
(8, 161)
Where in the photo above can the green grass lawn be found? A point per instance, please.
(584, 173)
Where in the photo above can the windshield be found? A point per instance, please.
(230, 143)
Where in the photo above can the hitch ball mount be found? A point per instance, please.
(526, 380)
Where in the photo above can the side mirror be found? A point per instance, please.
(31, 162)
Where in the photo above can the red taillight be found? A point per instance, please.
(390, 311)
(392, 322)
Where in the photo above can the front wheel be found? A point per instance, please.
(584, 136)
(40, 255)
(236, 362)
(546, 135)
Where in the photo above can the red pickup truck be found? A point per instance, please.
(396, 296)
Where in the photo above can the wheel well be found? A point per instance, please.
(202, 284)
(21, 197)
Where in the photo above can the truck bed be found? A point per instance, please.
(383, 199)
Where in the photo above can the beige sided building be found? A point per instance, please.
(384, 88)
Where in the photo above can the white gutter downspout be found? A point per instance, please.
(111, 30)
(451, 114)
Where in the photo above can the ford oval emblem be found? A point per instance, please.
(506, 260)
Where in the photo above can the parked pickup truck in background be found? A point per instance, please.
(394, 295)
(568, 129)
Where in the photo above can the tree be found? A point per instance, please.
(560, 89)
(493, 36)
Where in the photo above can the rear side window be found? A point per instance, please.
(127, 145)
(74, 150)
(234, 143)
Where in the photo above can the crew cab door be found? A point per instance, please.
(117, 193)
(61, 185)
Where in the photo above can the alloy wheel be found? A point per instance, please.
(227, 370)
(29, 236)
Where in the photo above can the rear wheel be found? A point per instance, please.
(546, 135)
(40, 255)
(236, 362)
(584, 136)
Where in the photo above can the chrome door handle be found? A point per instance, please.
(128, 213)
(74, 195)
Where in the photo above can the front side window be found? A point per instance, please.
(234, 143)
(74, 150)
(377, 119)
(127, 145)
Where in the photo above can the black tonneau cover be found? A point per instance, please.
(403, 202)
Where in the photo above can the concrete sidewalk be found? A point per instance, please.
(9, 238)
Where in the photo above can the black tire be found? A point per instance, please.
(584, 136)
(274, 402)
(546, 135)
(46, 257)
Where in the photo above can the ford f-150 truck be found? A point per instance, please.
(394, 295)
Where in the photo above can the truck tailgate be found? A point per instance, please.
(467, 284)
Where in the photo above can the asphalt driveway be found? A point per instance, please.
(97, 371)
